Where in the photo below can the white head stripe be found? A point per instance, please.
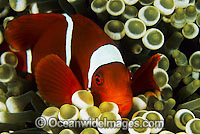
(29, 60)
(68, 38)
(103, 55)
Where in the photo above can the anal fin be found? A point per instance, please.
(55, 80)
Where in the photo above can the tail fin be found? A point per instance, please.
(143, 79)
(55, 80)
(23, 32)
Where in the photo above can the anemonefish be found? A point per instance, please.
(67, 54)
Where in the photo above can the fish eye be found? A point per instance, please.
(98, 79)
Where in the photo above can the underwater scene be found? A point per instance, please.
(99, 67)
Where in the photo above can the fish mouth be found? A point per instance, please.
(125, 107)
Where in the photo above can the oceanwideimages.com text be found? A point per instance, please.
(41, 122)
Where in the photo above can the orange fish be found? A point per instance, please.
(67, 54)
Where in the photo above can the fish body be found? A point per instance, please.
(67, 54)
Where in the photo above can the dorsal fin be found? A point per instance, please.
(23, 32)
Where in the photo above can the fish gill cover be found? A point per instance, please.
(140, 29)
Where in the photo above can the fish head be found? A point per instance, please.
(112, 83)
